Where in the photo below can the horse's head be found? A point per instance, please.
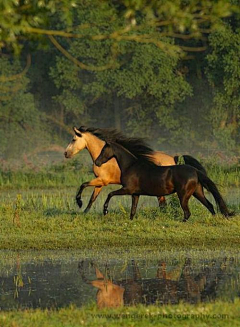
(105, 155)
(77, 144)
(109, 295)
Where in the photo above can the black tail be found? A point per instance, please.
(212, 188)
(188, 160)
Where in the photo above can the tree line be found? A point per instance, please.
(167, 71)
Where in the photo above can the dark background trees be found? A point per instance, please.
(165, 70)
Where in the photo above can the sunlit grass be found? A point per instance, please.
(38, 211)
(203, 314)
(50, 219)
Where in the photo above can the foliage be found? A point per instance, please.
(27, 19)
(144, 80)
(19, 118)
(127, 64)
(224, 75)
(17, 17)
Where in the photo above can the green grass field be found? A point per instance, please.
(211, 314)
(26, 225)
(38, 212)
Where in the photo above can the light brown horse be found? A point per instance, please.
(93, 139)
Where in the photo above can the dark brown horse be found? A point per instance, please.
(140, 176)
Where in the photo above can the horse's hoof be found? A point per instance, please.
(86, 210)
(79, 202)
(184, 220)
(105, 211)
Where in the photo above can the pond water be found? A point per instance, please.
(55, 280)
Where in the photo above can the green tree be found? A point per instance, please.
(121, 64)
(184, 19)
(223, 72)
(139, 90)
(20, 129)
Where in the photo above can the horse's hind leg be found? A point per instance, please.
(162, 202)
(174, 274)
(184, 196)
(198, 194)
(95, 194)
(136, 271)
(162, 271)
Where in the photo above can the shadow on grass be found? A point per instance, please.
(52, 212)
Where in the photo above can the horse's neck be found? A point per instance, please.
(124, 158)
(94, 145)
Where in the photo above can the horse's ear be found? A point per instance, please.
(83, 128)
(99, 274)
(77, 132)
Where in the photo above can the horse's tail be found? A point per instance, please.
(212, 188)
(189, 160)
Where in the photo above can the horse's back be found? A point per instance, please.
(149, 179)
(162, 159)
(184, 173)
(184, 169)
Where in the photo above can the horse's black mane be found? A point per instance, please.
(136, 146)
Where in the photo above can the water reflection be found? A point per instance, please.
(59, 283)
(168, 287)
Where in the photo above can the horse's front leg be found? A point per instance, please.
(95, 194)
(122, 191)
(97, 182)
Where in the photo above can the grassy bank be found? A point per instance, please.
(50, 220)
(211, 314)
(82, 232)
(38, 211)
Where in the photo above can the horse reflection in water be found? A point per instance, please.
(167, 287)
